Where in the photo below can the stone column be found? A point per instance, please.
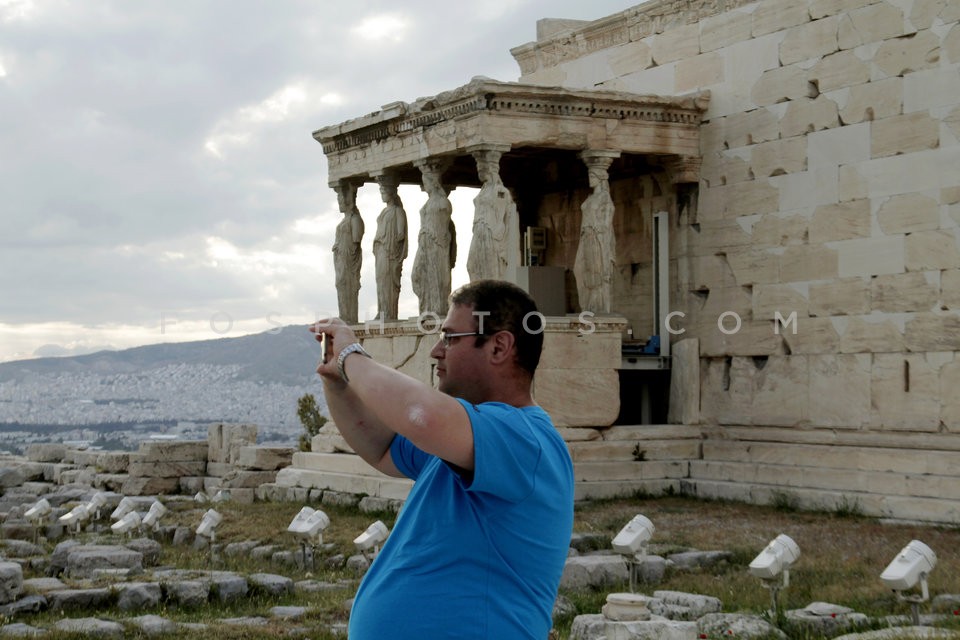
(347, 257)
(594, 263)
(436, 244)
(389, 246)
(495, 248)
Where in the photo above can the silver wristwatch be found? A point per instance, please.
(356, 347)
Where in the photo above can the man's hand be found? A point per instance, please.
(336, 335)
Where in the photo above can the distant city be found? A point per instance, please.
(115, 400)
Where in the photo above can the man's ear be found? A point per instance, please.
(503, 343)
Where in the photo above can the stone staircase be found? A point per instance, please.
(608, 462)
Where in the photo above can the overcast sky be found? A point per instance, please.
(159, 178)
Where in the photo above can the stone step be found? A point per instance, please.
(602, 489)
(616, 471)
(610, 450)
(335, 462)
(852, 480)
(381, 487)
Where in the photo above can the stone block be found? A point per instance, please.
(924, 12)
(908, 213)
(248, 480)
(596, 571)
(685, 382)
(752, 127)
(904, 134)
(810, 40)
(952, 121)
(171, 451)
(950, 289)
(931, 250)
(839, 392)
(951, 45)
(931, 88)
(813, 336)
(802, 263)
(596, 350)
(724, 29)
(574, 399)
(769, 299)
(84, 560)
(191, 485)
(839, 70)
(932, 332)
(851, 183)
(823, 8)
(11, 581)
(903, 292)
(873, 101)
(778, 157)
(113, 461)
(846, 296)
(264, 458)
(949, 398)
(900, 56)
(146, 486)
(136, 596)
(699, 72)
(630, 58)
(676, 44)
(749, 198)
(778, 15)
(843, 221)
(46, 452)
(775, 229)
(170, 469)
(720, 169)
(754, 266)
(806, 115)
(871, 256)
(840, 146)
(224, 440)
(775, 383)
(329, 440)
(780, 85)
(905, 392)
(866, 334)
(869, 24)
(219, 469)
(722, 234)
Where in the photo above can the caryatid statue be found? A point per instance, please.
(347, 257)
(593, 266)
(436, 244)
(389, 247)
(495, 248)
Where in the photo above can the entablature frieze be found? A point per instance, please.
(515, 116)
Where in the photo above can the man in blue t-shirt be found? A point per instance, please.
(479, 547)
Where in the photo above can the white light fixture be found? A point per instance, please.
(372, 538)
(309, 525)
(95, 506)
(126, 524)
(208, 524)
(126, 505)
(911, 566)
(76, 516)
(631, 543)
(152, 519)
(39, 511)
(774, 562)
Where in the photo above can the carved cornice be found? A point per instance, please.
(635, 23)
(483, 95)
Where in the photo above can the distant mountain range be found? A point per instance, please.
(286, 355)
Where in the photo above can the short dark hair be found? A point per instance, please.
(510, 308)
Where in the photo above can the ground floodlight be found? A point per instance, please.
(126, 524)
(39, 511)
(631, 543)
(126, 505)
(96, 504)
(152, 519)
(633, 538)
(76, 516)
(372, 538)
(773, 562)
(309, 524)
(221, 496)
(911, 566)
(775, 559)
(208, 524)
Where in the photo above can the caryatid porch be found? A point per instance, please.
(517, 143)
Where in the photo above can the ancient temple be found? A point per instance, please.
(742, 221)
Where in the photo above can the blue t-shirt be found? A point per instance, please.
(478, 557)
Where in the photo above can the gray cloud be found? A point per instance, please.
(158, 153)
